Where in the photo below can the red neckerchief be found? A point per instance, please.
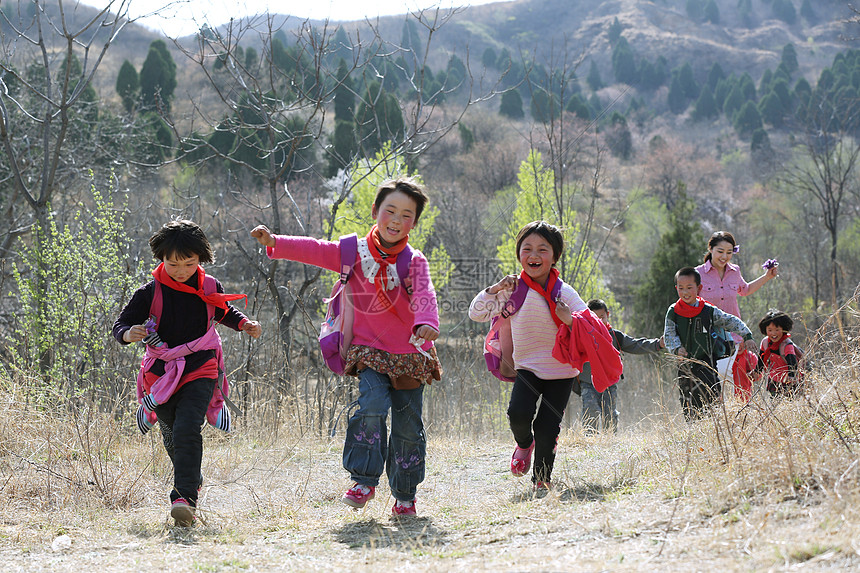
(545, 292)
(374, 241)
(688, 310)
(773, 348)
(218, 299)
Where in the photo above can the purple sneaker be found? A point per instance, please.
(521, 461)
(358, 495)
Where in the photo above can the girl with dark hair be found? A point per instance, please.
(540, 377)
(722, 283)
(780, 357)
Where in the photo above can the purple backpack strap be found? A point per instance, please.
(519, 296)
(404, 259)
(348, 253)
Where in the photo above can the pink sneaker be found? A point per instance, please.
(521, 461)
(542, 488)
(182, 513)
(404, 508)
(358, 495)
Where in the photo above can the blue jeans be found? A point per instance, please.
(368, 449)
(597, 406)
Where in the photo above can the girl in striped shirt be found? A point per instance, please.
(533, 329)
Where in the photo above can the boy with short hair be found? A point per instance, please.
(597, 406)
(687, 335)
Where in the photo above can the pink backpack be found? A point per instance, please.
(499, 344)
(336, 330)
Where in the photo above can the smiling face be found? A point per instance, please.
(603, 315)
(395, 217)
(181, 268)
(537, 258)
(774, 332)
(721, 254)
(687, 289)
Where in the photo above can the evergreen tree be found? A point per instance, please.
(784, 10)
(688, 82)
(715, 74)
(706, 107)
(676, 100)
(680, 246)
(593, 79)
(577, 106)
(789, 59)
(615, 30)
(379, 118)
(252, 59)
(733, 102)
(618, 137)
(157, 77)
(410, 41)
(764, 83)
(747, 87)
(745, 12)
(596, 105)
(712, 12)
(544, 106)
(343, 147)
(760, 144)
(512, 105)
(722, 91)
(807, 12)
(344, 97)
(624, 63)
(128, 85)
(489, 58)
(771, 109)
(747, 119)
(780, 89)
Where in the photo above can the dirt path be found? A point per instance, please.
(617, 507)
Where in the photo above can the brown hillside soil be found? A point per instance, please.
(664, 500)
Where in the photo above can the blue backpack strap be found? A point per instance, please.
(556, 289)
(348, 253)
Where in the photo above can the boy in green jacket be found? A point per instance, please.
(688, 334)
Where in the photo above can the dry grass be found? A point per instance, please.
(766, 486)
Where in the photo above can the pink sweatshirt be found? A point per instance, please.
(723, 292)
(374, 326)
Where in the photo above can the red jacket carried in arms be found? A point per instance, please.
(588, 340)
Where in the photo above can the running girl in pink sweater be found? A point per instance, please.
(392, 352)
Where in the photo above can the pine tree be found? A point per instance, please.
(789, 59)
(676, 99)
(593, 79)
(715, 74)
(807, 12)
(512, 105)
(157, 77)
(747, 119)
(489, 57)
(128, 85)
(706, 107)
(688, 82)
(344, 97)
(624, 63)
(785, 11)
(680, 246)
(771, 109)
(615, 30)
(712, 12)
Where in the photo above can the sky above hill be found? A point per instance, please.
(183, 17)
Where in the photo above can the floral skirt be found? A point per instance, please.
(406, 371)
